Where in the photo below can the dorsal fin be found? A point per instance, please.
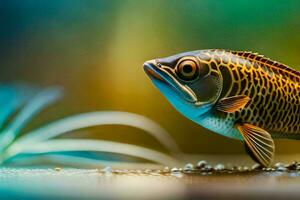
(261, 59)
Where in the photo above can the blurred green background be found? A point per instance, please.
(95, 49)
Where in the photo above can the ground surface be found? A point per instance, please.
(149, 184)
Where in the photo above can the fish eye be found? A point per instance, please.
(187, 70)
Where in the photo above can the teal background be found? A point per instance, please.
(95, 49)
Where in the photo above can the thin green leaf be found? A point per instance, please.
(40, 101)
(99, 118)
(61, 145)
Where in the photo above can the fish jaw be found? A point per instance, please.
(160, 76)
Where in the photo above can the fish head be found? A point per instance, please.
(187, 81)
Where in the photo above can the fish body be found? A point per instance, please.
(241, 95)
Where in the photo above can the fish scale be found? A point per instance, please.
(270, 86)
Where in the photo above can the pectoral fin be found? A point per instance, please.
(259, 142)
(232, 104)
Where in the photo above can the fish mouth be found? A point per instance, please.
(157, 73)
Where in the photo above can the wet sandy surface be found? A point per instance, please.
(205, 182)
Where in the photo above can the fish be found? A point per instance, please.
(238, 94)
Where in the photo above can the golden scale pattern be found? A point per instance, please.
(274, 89)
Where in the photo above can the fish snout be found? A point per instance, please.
(151, 69)
(149, 64)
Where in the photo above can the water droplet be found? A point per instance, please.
(240, 168)
(256, 166)
(207, 168)
(281, 169)
(268, 169)
(188, 167)
(278, 165)
(201, 164)
(166, 169)
(245, 168)
(58, 169)
(174, 170)
(107, 171)
(234, 168)
(219, 167)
